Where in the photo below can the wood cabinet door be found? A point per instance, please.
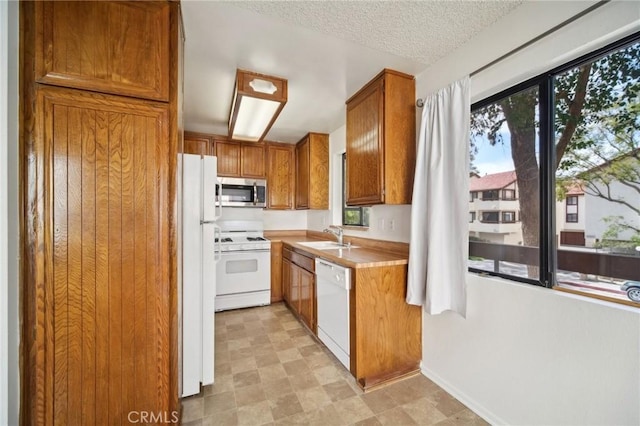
(307, 297)
(286, 281)
(197, 144)
(101, 243)
(295, 288)
(105, 46)
(318, 171)
(276, 271)
(228, 154)
(253, 161)
(365, 156)
(302, 175)
(280, 170)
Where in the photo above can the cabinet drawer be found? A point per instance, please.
(299, 259)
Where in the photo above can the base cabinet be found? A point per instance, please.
(299, 286)
(385, 332)
(276, 271)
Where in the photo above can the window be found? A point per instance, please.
(572, 209)
(472, 217)
(352, 216)
(573, 130)
(490, 195)
(508, 194)
(490, 217)
(508, 217)
(474, 196)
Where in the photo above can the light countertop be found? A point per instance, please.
(354, 257)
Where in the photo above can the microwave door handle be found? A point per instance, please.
(255, 193)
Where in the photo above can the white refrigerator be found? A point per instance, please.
(200, 254)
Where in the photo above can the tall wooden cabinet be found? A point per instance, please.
(381, 141)
(280, 176)
(312, 172)
(99, 143)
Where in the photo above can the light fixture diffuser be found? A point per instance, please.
(257, 102)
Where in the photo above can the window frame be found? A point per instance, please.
(547, 250)
(345, 208)
(502, 214)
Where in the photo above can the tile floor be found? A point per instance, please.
(270, 370)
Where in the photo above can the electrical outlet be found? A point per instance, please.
(392, 225)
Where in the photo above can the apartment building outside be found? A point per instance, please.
(494, 212)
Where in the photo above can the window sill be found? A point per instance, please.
(355, 228)
(596, 296)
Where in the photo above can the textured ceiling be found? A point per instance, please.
(326, 51)
(423, 31)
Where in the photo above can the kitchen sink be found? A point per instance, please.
(325, 245)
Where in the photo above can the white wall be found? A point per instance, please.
(598, 208)
(385, 222)
(9, 320)
(528, 355)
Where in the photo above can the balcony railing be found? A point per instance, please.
(602, 264)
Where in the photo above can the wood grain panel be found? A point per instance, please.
(197, 143)
(253, 160)
(100, 46)
(280, 176)
(89, 272)
(228, 154)
(75, 263)
(276, 272)
(102, 264)
(140, 301)
(114, 238)
(60, 265)
(365, 150)
(399, 137)
(286, 280)
(386, 331)
(109, 299)
(319, 171)
(307, 291)
(302, 174)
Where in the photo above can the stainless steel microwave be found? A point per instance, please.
(239, 192)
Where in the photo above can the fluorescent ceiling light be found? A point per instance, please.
(257, 101)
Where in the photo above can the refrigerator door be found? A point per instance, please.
(209, 256)
(192, 276)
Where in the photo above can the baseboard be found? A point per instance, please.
(477, 408)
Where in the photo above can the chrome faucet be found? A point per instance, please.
(337, 231)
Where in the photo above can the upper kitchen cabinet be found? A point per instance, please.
(280, 176)
(121, 48)
(252, 160)
(312, 172)
(381, 141)
(240, 159)
(197, 143)
(228, 153)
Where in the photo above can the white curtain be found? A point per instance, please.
(440, 206)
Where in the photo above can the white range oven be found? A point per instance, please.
(244, 270)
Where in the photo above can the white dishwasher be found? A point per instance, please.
(333, 283)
